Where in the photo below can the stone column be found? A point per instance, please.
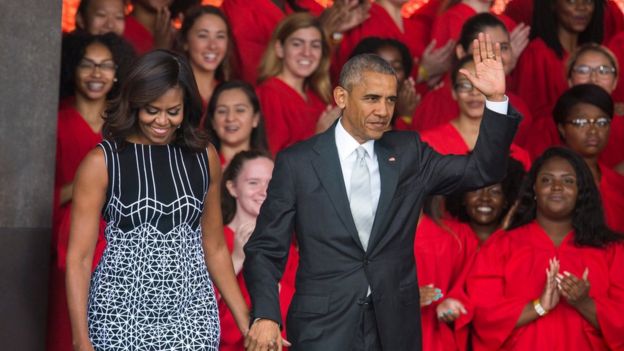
(30, 38)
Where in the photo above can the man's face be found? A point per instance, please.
(368, 107)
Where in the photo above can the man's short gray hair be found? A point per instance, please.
(352, 70)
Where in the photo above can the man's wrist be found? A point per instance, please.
(496, 98)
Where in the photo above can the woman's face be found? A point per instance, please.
(159, 119)
(393, 57)
(586, 130)
(470, 100)
(595, 68)
(556, 189)
(95, 73)
(498, 35)
(574, 15)
(485, 206)
(234, 118)
(207, 42)
(103, 16)
(301, 52)
(250, 187)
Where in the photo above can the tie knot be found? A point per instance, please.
(361, 152)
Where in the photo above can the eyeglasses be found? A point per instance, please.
(585, 70)
(464, 87)
(582, 123)
(88, 65)
(580, 2)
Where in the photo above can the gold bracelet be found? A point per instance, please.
(539, 308)
(422, 73)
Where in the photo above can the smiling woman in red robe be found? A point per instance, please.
(553, 281)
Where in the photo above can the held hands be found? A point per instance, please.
(408, 98)
(573, 289)
(344, 15)
(436, 62)
(450, 309)
(163, 32)
(264, 335)
(489, 77)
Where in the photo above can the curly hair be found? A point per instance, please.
(227, 69)
(73, 49)
(588, 217)
(258, 136)
(455, 203)
(228, 202)
(544, 25)
(151, 76)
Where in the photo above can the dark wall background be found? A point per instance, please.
(30, 40)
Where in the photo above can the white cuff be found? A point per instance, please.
(498, 106)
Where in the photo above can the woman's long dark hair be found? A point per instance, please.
(228, 202)
(151, 76)
(258, 135)
(544, 25)
(588, 218)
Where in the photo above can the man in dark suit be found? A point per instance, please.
(353, 195)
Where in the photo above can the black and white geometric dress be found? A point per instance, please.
(151, 289)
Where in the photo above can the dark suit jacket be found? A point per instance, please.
(307, 195)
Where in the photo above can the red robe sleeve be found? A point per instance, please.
(288, 117)
(613, 153)
(613, 20)
(252, 24)
(612, 192)
(526, 125)
(617, 46)
(521, 11)
(539, 78)
(610, 304)
(436, 108)
(137, 35)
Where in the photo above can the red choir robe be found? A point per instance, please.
(426, 14)
(613, 154)
(611, 189)
(288, 117)
(446, 140)
(544, 135)
(442, 253)
(539, 78)
(74, 140)
(617, 46)
(438, 107)
(448, 25)
(136, 34)
(509, 273)
(522, 11)
(380, 24)
(231, 338)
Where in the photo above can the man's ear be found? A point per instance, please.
(340, 96)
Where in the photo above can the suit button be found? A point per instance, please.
(365, 262)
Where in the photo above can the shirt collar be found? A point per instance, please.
(347, 144)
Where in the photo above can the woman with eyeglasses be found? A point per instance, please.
(557, 29)
(583, 118)
(459, 136)
(594, 64)
(435, 110)
(553, 281)
(90, 69)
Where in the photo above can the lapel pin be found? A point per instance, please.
(392, 159)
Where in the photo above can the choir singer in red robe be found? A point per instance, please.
(554, 280)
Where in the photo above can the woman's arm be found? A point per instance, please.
(89, 196)
(216, 253)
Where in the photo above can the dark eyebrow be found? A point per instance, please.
(372, 96)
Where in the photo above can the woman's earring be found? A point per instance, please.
(115, 80)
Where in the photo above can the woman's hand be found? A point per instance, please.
(327, 118)
(550, 295)
(450, 309)
(519, 39)
(408, 99)
(163, 32)
(436, 62)
(429, 294)
(573, 289)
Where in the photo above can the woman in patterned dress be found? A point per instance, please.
(155, 179)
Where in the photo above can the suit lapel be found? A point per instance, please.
(389, 175)
(329, 172)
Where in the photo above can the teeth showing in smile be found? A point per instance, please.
(160, 131)
(231, 129)
(95, 86)
(484, 209)
(210, 57)
(305, 62)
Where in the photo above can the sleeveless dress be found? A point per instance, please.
(151, 289)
